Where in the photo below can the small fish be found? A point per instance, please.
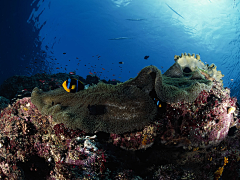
(146, 57)
(157, 102)
(121, 62)
(90, 73)
(119, 38)
(72, 73)
(57, 68)
(64, 53)
(73, 85)
(113, 79)
(103, 69)
(174, 10)
(135, 19)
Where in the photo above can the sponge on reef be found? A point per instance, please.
(104, 107)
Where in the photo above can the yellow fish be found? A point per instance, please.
(73, 85)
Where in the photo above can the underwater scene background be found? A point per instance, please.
(120, 89)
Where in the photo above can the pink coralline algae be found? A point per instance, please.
(136, 140)
(32, 146)
(202, 123)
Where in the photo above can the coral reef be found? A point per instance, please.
(30, 147)
(182, 124)
(136, 140)
(202, 123)
(196, 110)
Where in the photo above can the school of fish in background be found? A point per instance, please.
(99, 72)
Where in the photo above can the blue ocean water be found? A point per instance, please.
(93, 36)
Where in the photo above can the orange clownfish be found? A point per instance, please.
(73, 85)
